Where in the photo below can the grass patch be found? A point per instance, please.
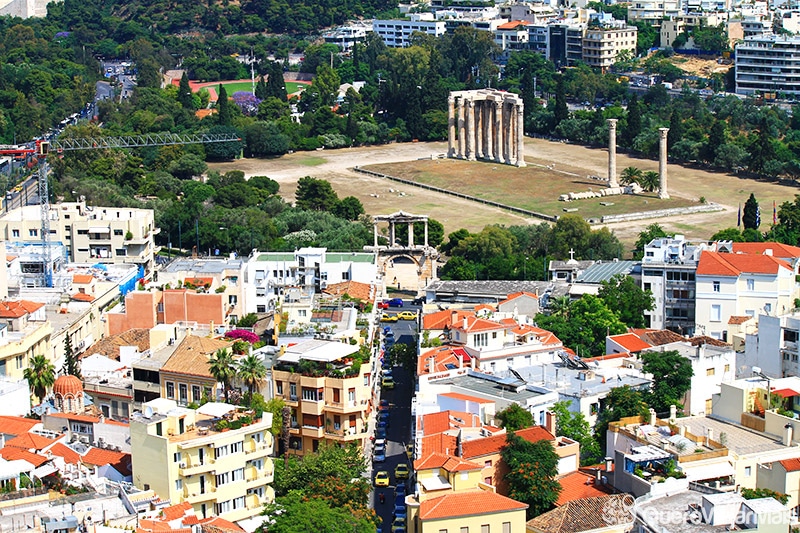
(534, 187)
(311, 161)
(246, 86)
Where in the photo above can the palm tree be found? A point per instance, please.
(41, 375)
(559, 305)
(650, 180)
(223, 368)
(630, 175)
(251, 371)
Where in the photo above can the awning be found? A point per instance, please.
(216, 409)
(45, 470)
(786, 393)
(99, 229)
(707, 472)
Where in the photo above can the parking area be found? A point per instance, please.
(390, 455)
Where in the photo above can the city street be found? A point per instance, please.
(399, 428)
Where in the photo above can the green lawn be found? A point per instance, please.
(232, 87)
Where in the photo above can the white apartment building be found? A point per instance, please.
(768, 63)
(267, 274)
(653, 11)
(774, 346)
(347, 36)
(88, 234)
(739, 285)
(602, 45)
(512, 35)
(527, 11)
(397, 33)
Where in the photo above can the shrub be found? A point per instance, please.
(242, 334)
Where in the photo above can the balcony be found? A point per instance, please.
(310, 407)
(312, 431)
(257, 449)
(193, 468)
(197, 497)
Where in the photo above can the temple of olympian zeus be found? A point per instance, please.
(489, 126)
(404, 263)
(662, 158)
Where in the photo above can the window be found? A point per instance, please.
(716, 313)
(196, 395)
(748, 470)
(464, 530)
(33, 232)
(485, 528)
(178, 484)
(159, 429)
(510, 362)
(711, 371)
(494, 334)
(15, 233)
(83, 232)
(118, 232)
(715, 285)
(301, 312)
(351, 395)
(487, 464)
(176, 457)
(279, 387)
(20, 359)
(292, 391)
(120, 252)
(790, 335)
(506, 527)
(345, 276)
(170, 390)
(767, 308)
(442, 531)
(183, 394)
(261, 308)
(751, 284)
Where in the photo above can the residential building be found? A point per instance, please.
(185, 376)
(512, 35)
(603, 44)
(768, 64)
(90, 430)
(654, 11)
(668, 271)
(24, 333)
(487, 291)
(88, 234)
(185, 455)
(328, 391)
(397, 33)
(164, 341)
(737, 284)
(347, 36)
(773, 347)
(520, 303)
(267, 276)
(593, 514)
(528, 12)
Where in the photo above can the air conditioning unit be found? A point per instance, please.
(182, 465)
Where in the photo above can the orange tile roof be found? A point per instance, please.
(465, 397)
(82, 297)
(704, 339)
(657, 337)
(82, 279)
(468, 503)
(732, 265)
(11, 454)
(488, 307)
(578, 516)
(30, 441)
(780, 250)
(475, 324)
(578, 486)
(515, 295)
(791, 465)
(68, 454)
(512, 25)
(15, 425)
(192, 355)
(443, 319)
(446, 462)
(10, 258)
(739, 319)
(203, 113)
(438, 443)
(354, 289)
(99, 457)
(215, 523)
(495, 443)
(630, 342)
(443, 356)
(18, 308)
(77, 418)
(606, 357)
(173, 512)
(109, 346)
(436, 422)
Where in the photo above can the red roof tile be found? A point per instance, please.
(439, 443)
(791, 465)
(30, 441)
(630, 342)
(465, 397)
(512, 25)
(446, 462)
(68, 454)
(18, 308)
(739, 319)
(475, 324)
(436, 422)
(495, 443)
(173, 512)
(467, 503)
(11, 454)
(448, 354)
(121, 461)
(220, 523)
(354, 289)
(732, 265)
(82, 279)
(82, 297)
(442, 319)
(15, 425)
(783, 251)
(578, 486)
(515, 295)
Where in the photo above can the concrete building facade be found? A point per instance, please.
(768, 63)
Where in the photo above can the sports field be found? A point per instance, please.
(236, 86)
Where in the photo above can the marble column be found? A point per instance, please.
(410, 234)
(612, 152)
(471, 130)
(498, 131)
(461, 136)
(489, 129)
(479, 147)
(520, 134)
(375, 234)
(662, 163)
(506, 136)
(451, 127)
(391, 234)
(426, 233)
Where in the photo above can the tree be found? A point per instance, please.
(650, 233)
(623, 295)
(571, 232)
(224, 116)
(41, 375)
(298, 513)
(717, 136)
(634, 120)
(650, 180)
(349, 208)
(675, 132)
(751, 217)
(514, 417)
(223, 368)
(185, 93)
(251, 371)
(435, 232)
(261, 89)
(223, 151)
(561, 112)
(532, 471)
(330, 461)
(275, 85)
(762, 150)
(315, 195)
(728, 234)
(620, 402)
(265, 139)
(752, 494)
(72, 366)
(275, 406)
(672, 378)
(585, 326)
(630, 175)
(574, 425)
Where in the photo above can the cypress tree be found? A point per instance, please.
(185, 93)
(751, 215)
(71, 365)
(261, 89)
(675, 129)
(223, 107)
(561, 111)
(528, 96)
(275, 85)
(634, 120)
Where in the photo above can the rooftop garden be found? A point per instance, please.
(344, 368)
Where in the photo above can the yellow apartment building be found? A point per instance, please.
(328, 391)
(25, 332)
(185, 455)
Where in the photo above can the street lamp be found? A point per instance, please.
(758, 373)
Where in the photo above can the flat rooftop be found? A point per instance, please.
(669, 513)
(567, 380)
(322, 351)
(493, 289)
(483, 385)
(738, 439)
(202, 266)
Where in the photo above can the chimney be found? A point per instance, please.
(609, 463)
(473, 363)
(788, 433)
(465, 323)
(431, 364)
(673, 414)
(598, 477)
(460, 360)
(709, 435)
(453, 317)
(550, 422)
(652, 417)
(683, 431)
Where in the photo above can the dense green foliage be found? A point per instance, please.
(672, 378)
(583, 325)
(627, 299)
(532, 469)
(621, 402)
(573, 425)
(514, 417)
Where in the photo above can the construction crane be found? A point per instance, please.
(41, 149)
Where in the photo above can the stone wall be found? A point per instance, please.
(660, 213)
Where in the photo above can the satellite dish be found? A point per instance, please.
(148, 412)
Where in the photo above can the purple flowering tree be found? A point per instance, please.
(243, 335)
(246, 102)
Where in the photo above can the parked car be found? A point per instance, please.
(419, 301)
(382, 479)
(399, 512)
(385, 317)
(407, 315)
(379, 456)
(388, 383)
(383, 305)
(395, 302)
(410, 451)
(401, 471)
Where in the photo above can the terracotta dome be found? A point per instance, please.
(67, 385)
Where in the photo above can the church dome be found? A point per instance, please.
(67, 386)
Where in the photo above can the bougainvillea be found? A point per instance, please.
(242, 334)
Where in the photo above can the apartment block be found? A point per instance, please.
(768, 63)
(397, 33)
(88, 234)
(773, 347)
(654, 11)
(188, 455)
(602, 45)
(328, 391)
